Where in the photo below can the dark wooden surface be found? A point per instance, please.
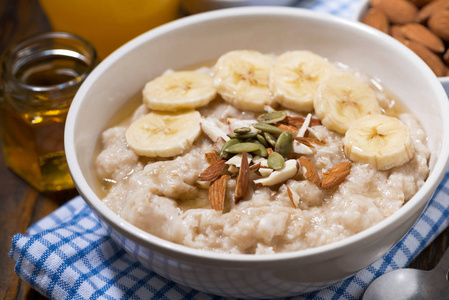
(21, 205)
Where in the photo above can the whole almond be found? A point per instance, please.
(309, 171)
(242, 182)
(418, 33)
(420, 3)
(430, 58)
(396, 32)
(377, 19)
(217, 192)
(214, 170)
(434, 6)
(446, 57)
(439, 24)
(335, 176)
(397, 11)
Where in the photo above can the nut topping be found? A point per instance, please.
(309, 171)
(217, 192)
(242, 180)
(214, 170)
(335, 176)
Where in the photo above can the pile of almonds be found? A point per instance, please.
(421, 25)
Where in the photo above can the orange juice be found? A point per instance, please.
(108, 24)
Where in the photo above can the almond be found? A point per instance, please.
(294, 197)
(439, 24)
(298, 121)
(430, 58)
(397, 11)
(242, 182)
(211, 157)
(290, 128)
(335, 176)
(419, 33)
(255, 167)
(396, 32)
(309, 171)
(305, 141)
(214, 170)
(420, 3)
(217, 192)
(376, 19)
(446, 57)
(434, 6)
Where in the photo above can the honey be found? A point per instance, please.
(39, 80)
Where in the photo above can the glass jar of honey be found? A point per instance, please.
(39, 79)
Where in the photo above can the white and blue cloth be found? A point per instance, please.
(69, 255)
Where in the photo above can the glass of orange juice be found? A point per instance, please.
(108, 24)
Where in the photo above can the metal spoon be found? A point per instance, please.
(409, 284)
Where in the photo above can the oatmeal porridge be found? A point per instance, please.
(262, 154)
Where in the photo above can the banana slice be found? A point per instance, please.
(160, 134)
(241, 78)
(381, 141)
(179, 91)
(343, 98)
(295, 78)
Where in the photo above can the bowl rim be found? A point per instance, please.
(169, 248)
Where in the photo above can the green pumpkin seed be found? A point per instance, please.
(243, 147)
(284, 143)
(224, 154)
(270, 139)
(272, 117)
(268, 128)
(275, 161)
(262, 151)
(248, 135)
(242, 130)
(262, 140)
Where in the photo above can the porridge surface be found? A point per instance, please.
(164, 197)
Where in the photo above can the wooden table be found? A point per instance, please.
(21, 205)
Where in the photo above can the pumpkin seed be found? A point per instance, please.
(275, 161)
(262, 151)
(268, 128)
(242, 130)
(262, 140)
(270, 139)
(243, 147)
(248, 135)
(284, 143)
(272, 117)
(224, 154)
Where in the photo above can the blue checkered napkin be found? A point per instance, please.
(342, 8)
(69, 255)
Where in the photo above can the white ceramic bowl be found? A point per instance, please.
(203, 37)
(358, 15)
